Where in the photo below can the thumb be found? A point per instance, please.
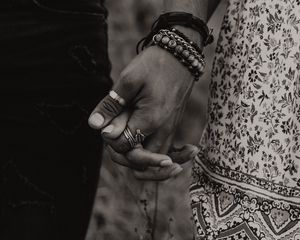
(113, 104)
(184, 154)
(106, 110)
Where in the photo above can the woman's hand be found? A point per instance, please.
(157, 173)
(149, 165)
(156, 88)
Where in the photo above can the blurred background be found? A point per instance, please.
(132, 209)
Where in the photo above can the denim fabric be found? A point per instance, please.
(54, 69)
(49, 170)
(46, 47)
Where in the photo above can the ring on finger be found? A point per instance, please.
(138, 138)
(116, 97)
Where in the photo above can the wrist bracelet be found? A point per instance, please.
(187, 20)
(183, 40)
(170, 19)
(182, 50)
(186, 39)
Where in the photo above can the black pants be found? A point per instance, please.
(54, 70)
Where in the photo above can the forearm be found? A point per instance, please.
(198, 8)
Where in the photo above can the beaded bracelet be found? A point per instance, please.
(183, 40)
(183, 50)
(184, 19)
(180, 34)
(170, 19)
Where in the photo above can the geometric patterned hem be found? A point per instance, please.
(222, 211)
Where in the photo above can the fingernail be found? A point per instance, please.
(176, 171)
(108, 129)
(166, 163)
(96, 120)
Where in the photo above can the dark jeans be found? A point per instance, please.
(54, 69)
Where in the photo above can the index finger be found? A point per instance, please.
(144, 158)
(159, 174)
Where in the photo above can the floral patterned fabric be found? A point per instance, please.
(246, 179)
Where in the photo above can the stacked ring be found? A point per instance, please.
(134, 140)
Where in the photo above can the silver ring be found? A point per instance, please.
(116, 97)
(134, 140)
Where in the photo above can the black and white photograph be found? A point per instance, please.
(150, 119)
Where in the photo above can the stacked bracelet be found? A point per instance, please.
(185, 51)
(180, 34)
(170, 19)
(187, 20)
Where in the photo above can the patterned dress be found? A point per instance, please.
(246, 179)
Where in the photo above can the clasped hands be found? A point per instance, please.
(154, 89)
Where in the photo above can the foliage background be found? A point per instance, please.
(125, 207)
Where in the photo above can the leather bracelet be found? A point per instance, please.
(170, 19)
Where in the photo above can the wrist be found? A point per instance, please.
(183, 48)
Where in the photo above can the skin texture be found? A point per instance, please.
(156, 87)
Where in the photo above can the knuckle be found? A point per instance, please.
(110, 107)
(131, 158)
(126, 82)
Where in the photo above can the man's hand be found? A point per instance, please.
(156, 87)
